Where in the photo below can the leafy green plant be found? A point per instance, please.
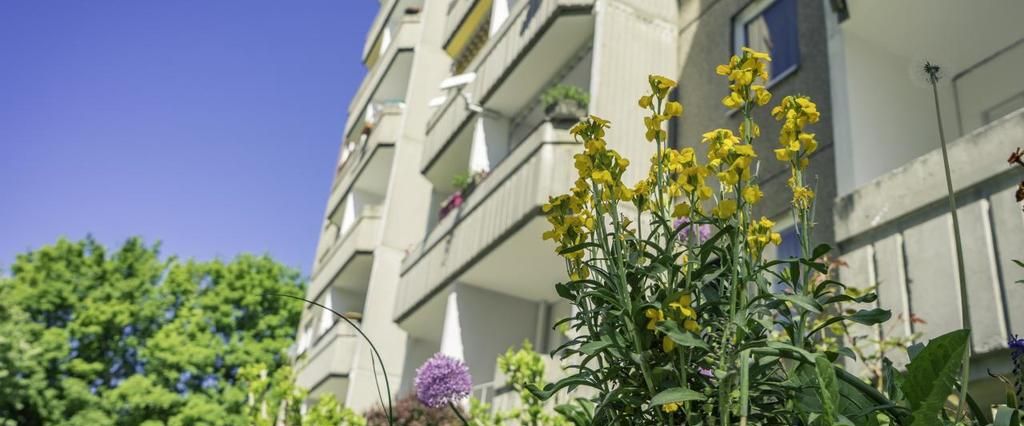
(560, 92)
(681, 318)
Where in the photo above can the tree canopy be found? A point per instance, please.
(91, 336)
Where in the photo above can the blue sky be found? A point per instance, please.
(212, 126)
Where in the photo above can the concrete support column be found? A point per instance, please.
(489, 323)
(490, 143)
(499, 13)
(387, 336)
(621, 66)
(451, 331)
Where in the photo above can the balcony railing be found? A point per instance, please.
(360, 239)
(330, 357)
(510, 196)
(387, 8)
(405, 40)
(504, 50)
(383, 134)
(896, 232)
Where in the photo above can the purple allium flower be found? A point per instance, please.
(1016, 345)
(703, 230)
(442, 380)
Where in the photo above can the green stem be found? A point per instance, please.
(965, 312)
(387, 383)
(458, 413)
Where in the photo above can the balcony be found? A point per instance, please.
(388, 78)
(325, 367)
(515, 65)
(498, 222)
(383, 28)
(896, 232)
(367, 165)
(346, 261)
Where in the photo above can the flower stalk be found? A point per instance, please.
(932, 71)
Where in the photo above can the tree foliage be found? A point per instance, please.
(95, 336)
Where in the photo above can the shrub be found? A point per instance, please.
(685, 320)
(560, 92)
(410, 412)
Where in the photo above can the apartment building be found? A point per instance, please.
(453, 89)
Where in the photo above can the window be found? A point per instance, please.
(790, 247)
(770, 26)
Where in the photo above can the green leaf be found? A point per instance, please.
(801, 300)
(870, 316)
(579, 247)
(828, 390)
(552, 388)
(930, 376)
(821, 250)
(595, 347)
(680, 336)
(676, 395)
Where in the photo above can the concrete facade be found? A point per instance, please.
(453, 87)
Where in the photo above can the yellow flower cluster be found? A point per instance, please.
(729, 156)
(661, 109)
(687, 175)
(599, 165)
(760, 234)
(743, 71)
(571, 220)
(679, 310)
(795, 113)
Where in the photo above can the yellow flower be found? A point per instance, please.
(733, 101)
(763, 95)
(602, 176)
(673, 109)
(757, 55)
(807, 142)
(660, 85)
(670, 407)
(691, 326)
(645, 101)
(683, 306)
(782, 154)
(704, 192)
(667, 344)
(802, 197)
(760, 234)
(725, 209)
(655, 316)
(729, 177)
(745, 150)
(681, 209)
(654, 130)
(752, 194)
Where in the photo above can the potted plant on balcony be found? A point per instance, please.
(565, 102)
(464, 184)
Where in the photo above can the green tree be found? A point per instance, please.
(122, 337)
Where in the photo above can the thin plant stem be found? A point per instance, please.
(458, 413)
(965, 312)
(387, 383)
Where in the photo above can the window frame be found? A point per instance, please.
(746, 15)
